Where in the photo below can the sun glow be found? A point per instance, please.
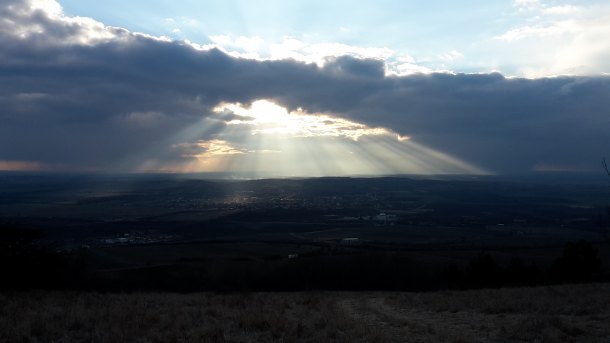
(264, 139)
(21, 165)
(212, 148)
(266, 117)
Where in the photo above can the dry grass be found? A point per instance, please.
(154, 317)
(546, 314)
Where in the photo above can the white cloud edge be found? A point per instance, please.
(396, 64)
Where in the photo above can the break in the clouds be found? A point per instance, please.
(516, 38)
(78, 95)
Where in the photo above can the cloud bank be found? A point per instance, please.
(81, 95)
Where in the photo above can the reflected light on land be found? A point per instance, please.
(266, 140)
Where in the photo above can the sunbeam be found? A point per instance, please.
(266, 140)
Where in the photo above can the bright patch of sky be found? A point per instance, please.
(518, 38)
(182, 109)
(265, 117)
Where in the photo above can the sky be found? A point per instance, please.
(304, 88)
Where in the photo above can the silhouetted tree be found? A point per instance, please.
(606, 228)
(483, 271)
(578, 262)
(518, 273)
(453, 277)
(26, 265)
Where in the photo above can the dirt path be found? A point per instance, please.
(396, 318)
(364, 312)
(380, 315)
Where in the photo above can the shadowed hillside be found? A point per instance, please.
(545, 314)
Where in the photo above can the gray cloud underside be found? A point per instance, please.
(127, 98)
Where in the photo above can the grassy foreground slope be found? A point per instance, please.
(571, 313)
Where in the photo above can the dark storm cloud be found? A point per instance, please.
(498, 123)
(78, 94)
